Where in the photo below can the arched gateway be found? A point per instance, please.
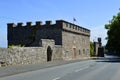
(49, 53)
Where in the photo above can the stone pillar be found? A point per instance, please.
(100, 49)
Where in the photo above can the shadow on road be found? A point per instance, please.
(109, 59)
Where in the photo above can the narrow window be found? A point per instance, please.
(79, 52)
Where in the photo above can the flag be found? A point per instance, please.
(74, 19)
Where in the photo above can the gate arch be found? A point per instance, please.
(49, 53)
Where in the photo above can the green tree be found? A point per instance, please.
(92, 49)
(113, 43)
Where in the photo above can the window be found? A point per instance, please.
(74, 39)
(79, 52)
(83, 51)
(88, 51)
(83, 40)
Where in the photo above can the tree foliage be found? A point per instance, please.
(92, 49)
(15, 46)
(113, 44)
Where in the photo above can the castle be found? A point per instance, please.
(62, 40)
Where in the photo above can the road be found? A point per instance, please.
(101, 69)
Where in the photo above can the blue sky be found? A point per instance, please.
(91, 14)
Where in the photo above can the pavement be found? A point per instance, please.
(12, 70)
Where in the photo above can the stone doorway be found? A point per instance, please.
(74, 52)
(49, 53)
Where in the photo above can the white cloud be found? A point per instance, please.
(98, 31)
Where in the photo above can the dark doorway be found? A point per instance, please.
(49, 53)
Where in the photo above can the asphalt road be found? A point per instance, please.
(102, 69)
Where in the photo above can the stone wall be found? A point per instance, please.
(75, 41)
(21, 35)
(57, 52)
(29, 35)
(18, 56)
(49, 32)
(29, 55)
(75, 45)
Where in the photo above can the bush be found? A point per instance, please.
(14, 46)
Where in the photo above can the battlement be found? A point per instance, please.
(67, 26)
(59, 23)
(20, 24)
(11, 25)
(48, 22)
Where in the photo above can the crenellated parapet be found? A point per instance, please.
(38, 23)
(67, 26)
(11, 25)
(48, 23)
(20, 24)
